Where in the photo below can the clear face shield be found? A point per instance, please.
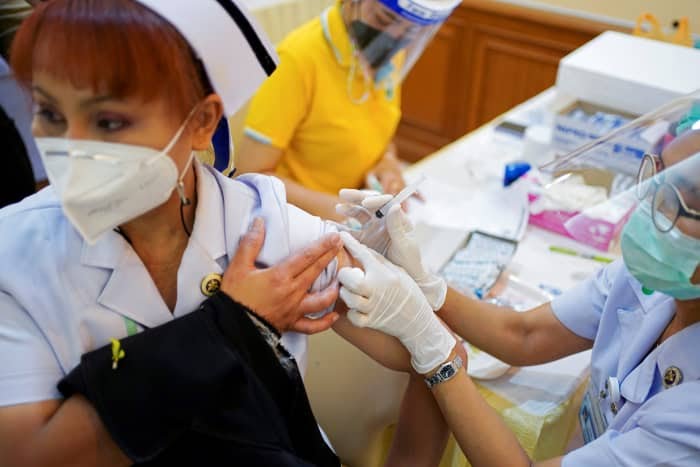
(390, 35)
(646, 181)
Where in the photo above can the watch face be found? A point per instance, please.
(447, 371)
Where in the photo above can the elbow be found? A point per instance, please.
(522, 339)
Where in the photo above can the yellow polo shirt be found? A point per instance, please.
(329, 141)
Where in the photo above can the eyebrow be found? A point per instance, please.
(45, 94)
(84, 103)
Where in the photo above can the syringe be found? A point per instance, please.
(402, 196)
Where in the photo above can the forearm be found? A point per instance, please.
(497, 330)
(71, 435)
(527, 338)
(382, 348)
(421, 432)
(480, 432)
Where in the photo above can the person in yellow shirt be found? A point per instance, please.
(326, 118)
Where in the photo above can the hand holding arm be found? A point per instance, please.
(280, 294)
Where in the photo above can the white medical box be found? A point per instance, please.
(628, 73)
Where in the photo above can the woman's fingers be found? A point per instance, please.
(306, 279)
(353, 196)
(358, 319)
(397, 222)
(354, 211)
(357, 250)
(354, 301)
(318, 301)
(375, 202)
(250, 245)
(312, 326)
(312, 255)
(353, 279)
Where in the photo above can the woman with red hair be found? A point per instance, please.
(133, 234)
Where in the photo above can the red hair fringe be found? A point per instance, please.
(118, 47)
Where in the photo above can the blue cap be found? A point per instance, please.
(515, 170)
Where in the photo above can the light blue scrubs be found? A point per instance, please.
(60, 297)
(649, 424)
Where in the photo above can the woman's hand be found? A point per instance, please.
(280, 294)
(388, 173)
(382, 296)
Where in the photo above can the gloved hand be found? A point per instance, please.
(402, 247)
(385, 298)
(362, 222)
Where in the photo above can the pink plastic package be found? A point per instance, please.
(596, 232)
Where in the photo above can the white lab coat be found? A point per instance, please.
(60, 297)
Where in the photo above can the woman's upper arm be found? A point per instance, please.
(580, 309)
(31, 430)
(270, 126)
(547, 338)
(29, 370)
(570, 322)
(305, 228)
(255, 156)
(56, 433)
(19, 424)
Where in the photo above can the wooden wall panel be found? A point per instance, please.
(487, 58)
(427, 108)
(428, 95)
(504, 73)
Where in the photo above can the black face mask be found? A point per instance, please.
(377, 47)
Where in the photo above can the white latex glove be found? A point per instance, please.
(365, 226)
(385, 298)
(402, 248)
(404, 251)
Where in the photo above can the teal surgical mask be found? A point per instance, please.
(663, 262)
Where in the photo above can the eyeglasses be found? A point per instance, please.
(666, 201)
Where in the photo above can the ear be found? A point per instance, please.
(204, 122)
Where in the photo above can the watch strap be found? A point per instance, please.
(445, 372)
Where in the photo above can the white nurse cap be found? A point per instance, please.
(236, 54)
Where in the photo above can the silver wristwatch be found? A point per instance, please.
(445, 372)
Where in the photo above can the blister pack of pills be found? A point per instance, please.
(476, 267)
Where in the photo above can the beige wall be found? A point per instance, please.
(279, 17)
(629, 10)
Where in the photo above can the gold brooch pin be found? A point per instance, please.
(211, 284)
(673, 376)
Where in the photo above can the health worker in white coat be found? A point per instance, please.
(115, 345)
(641, 315)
